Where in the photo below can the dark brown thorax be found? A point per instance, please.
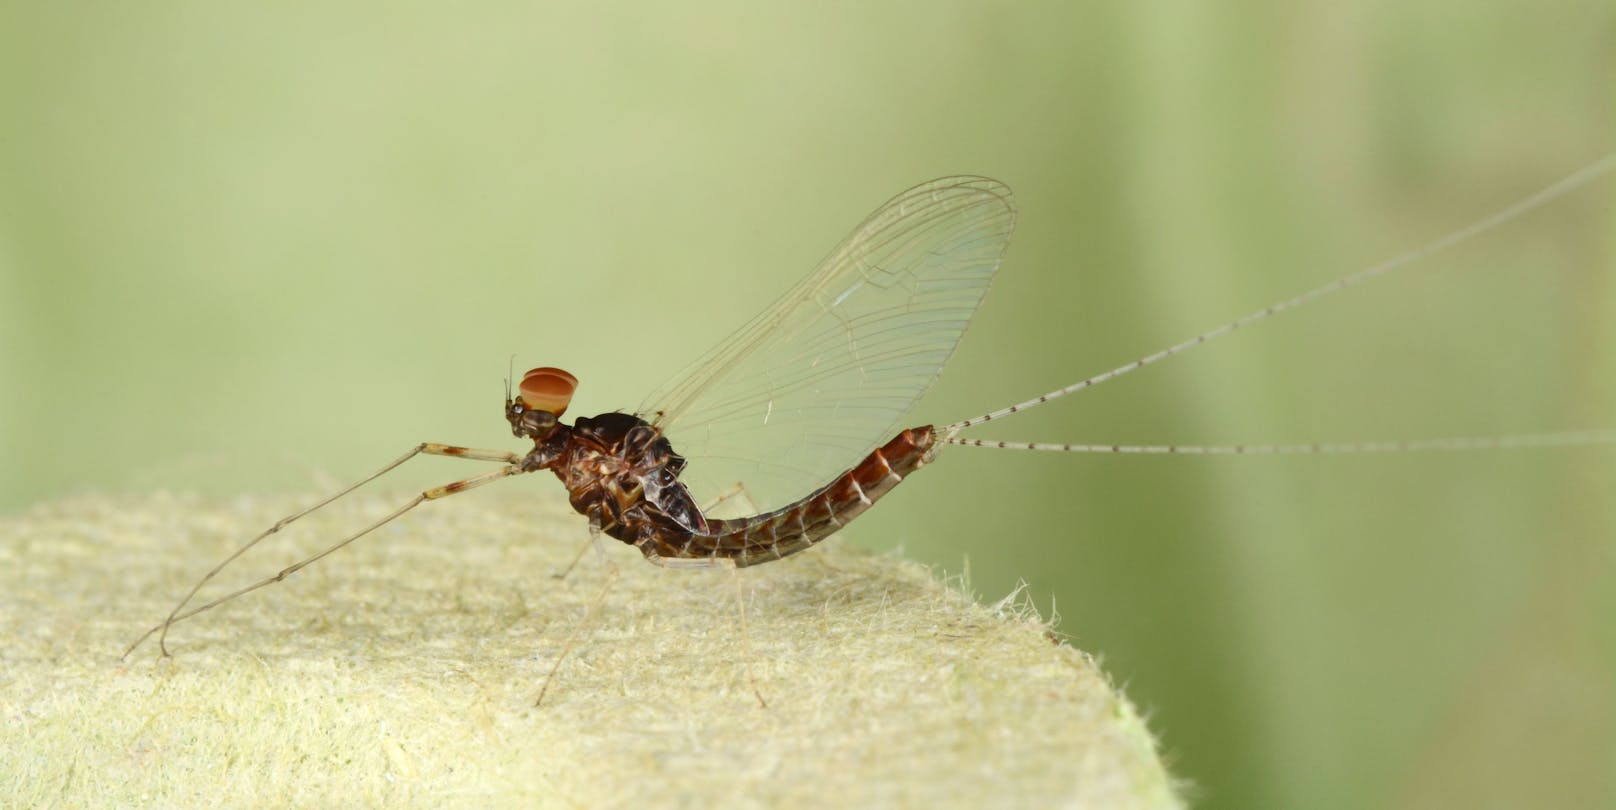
(620, 473)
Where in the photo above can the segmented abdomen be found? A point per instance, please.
(792, 528)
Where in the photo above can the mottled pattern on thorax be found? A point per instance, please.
(623, 475)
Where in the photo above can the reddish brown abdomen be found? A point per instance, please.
(792, 528)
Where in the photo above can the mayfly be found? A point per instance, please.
(803, 403)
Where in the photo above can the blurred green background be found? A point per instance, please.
(249, 249)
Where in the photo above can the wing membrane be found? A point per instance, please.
(821, 377)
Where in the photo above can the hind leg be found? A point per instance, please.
(736, 493)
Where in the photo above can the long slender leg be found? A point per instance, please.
(740, 602)
(692, 563)
(455, 451)
(432, 494)
(589, 615)
(596, 520)
(583, 549)
(746, 639)
(734, 492)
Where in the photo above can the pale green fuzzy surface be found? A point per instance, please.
(402, 671)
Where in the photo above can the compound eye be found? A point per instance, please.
(548, 389)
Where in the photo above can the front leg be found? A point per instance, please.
(429, 448)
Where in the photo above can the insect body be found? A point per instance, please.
(623, 475)
(802, 404)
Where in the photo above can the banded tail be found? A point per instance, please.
(1568, 438)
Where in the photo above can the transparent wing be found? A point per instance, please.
(821, 377)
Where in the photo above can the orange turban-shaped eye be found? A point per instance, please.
(548, 389)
